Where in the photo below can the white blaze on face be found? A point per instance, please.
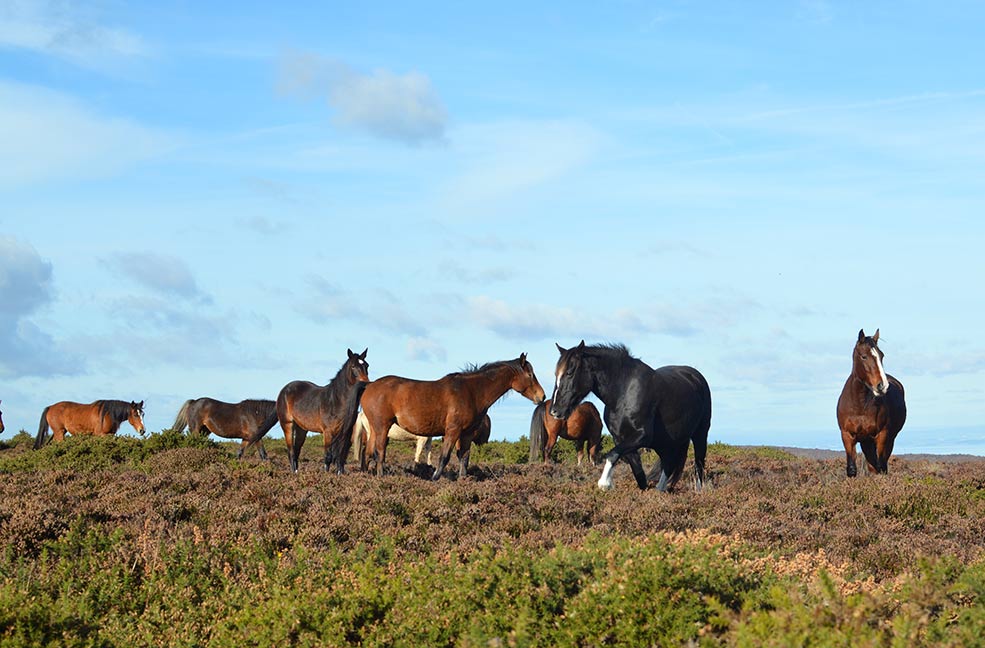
(557, 383)
(883, 380)
(605, 481)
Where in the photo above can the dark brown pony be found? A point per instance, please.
(1, 421)
(452, 407)
(248, 420)
(304, 407)
(100, 418)
(871, 408)
(584, 425)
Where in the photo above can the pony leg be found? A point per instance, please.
(446, 447)
(884, 448)
(700, 443)
(464, 452)
(423, 445)
(594, 447)
(657, 472)
(261, 449)
(871, 458)
(360, 442)
(580, 447)
(379, 440)
(670, 465)
(549, 446)
(294, 438)
(849, 441)
(633, 459)
(605, 481)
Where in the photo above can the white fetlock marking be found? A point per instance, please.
(605, 481)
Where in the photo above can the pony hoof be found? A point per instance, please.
(604, 487)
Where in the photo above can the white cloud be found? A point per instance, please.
(402, 107)
(161, 273)
(25, 287)
(541, 322)
(64, 30)
(505, 159)
(425, 349)
(46, 134)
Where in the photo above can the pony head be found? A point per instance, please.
(356, 368)
(572, 380)
(867, 364)
(136, 416)
(525, 381)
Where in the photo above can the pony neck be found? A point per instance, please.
(604, 368)
(490, 385)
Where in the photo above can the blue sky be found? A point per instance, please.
(215, 200)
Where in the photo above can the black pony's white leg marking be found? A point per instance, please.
(605, 481)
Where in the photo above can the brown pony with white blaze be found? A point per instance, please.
(99, 418)
(583, 426)
(452, 407)
(248, 420)
(871, 408)
(331, 410)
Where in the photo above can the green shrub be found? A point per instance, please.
(86, 453)
(21, 439)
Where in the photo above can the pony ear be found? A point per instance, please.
(861, 334)
(141, 404)
(581, 345)
(362, 356)
(875, 338)
(560, 348)
(351, 354)
(523, 357)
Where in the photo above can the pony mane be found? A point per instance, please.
(260, 405)
(615, 350)
(473, 369)
(335, 392)
(116, 409)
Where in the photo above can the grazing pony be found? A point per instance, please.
(397, 433)
(452, 407)
(1, 421)
(665, 409)
(584, 425)
(871, 408)
(304, 407)
(99, 418)
(248, 420)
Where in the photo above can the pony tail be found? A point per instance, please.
(340, 445)
(42, 430)
(181, 420)
(538, 433)
(268, 422)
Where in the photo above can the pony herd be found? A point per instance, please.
(667, 409)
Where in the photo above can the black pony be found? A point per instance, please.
(664, 409)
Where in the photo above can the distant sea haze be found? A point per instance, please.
(943, 440)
